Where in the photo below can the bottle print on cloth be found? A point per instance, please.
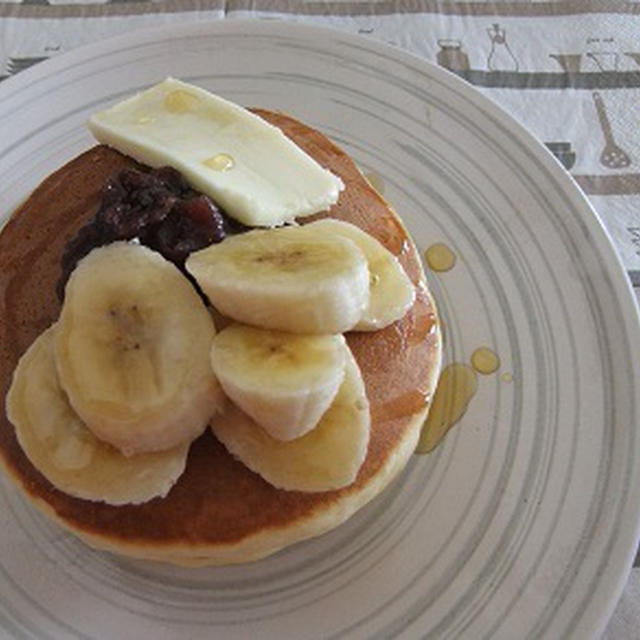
(452, 56)
(500, 57)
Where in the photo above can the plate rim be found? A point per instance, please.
(47, 70)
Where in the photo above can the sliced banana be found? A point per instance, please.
(287, 279)
(61, 447)
(284, 381)
(132, 350)
(391, 293)
(327, 457)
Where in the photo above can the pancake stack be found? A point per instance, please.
(218, 511)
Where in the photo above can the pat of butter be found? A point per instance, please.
(249, 167)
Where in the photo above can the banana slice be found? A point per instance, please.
(132, 350)
(287, 279)
(391, 293)
(284, 381)
(61, 447)
(327, 457)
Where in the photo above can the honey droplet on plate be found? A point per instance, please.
(457, 385)
(439, 257)
(506, 377)
(484, 360)
(180, 101)
(220, 162)
(145, 119)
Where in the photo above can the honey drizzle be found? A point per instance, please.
(421, 327)
(457, 385)
(439, 257)
(407, 404)
(180, 101)
(484, 360)
(220, 162)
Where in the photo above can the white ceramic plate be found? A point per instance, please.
(524, 522)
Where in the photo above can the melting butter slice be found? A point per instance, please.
(246, 165)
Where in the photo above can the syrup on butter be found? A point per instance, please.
(249, 167)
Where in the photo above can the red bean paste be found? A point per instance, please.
(160, 209)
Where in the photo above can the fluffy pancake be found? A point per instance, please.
(218, 512)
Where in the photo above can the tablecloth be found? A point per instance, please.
(568, 70)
